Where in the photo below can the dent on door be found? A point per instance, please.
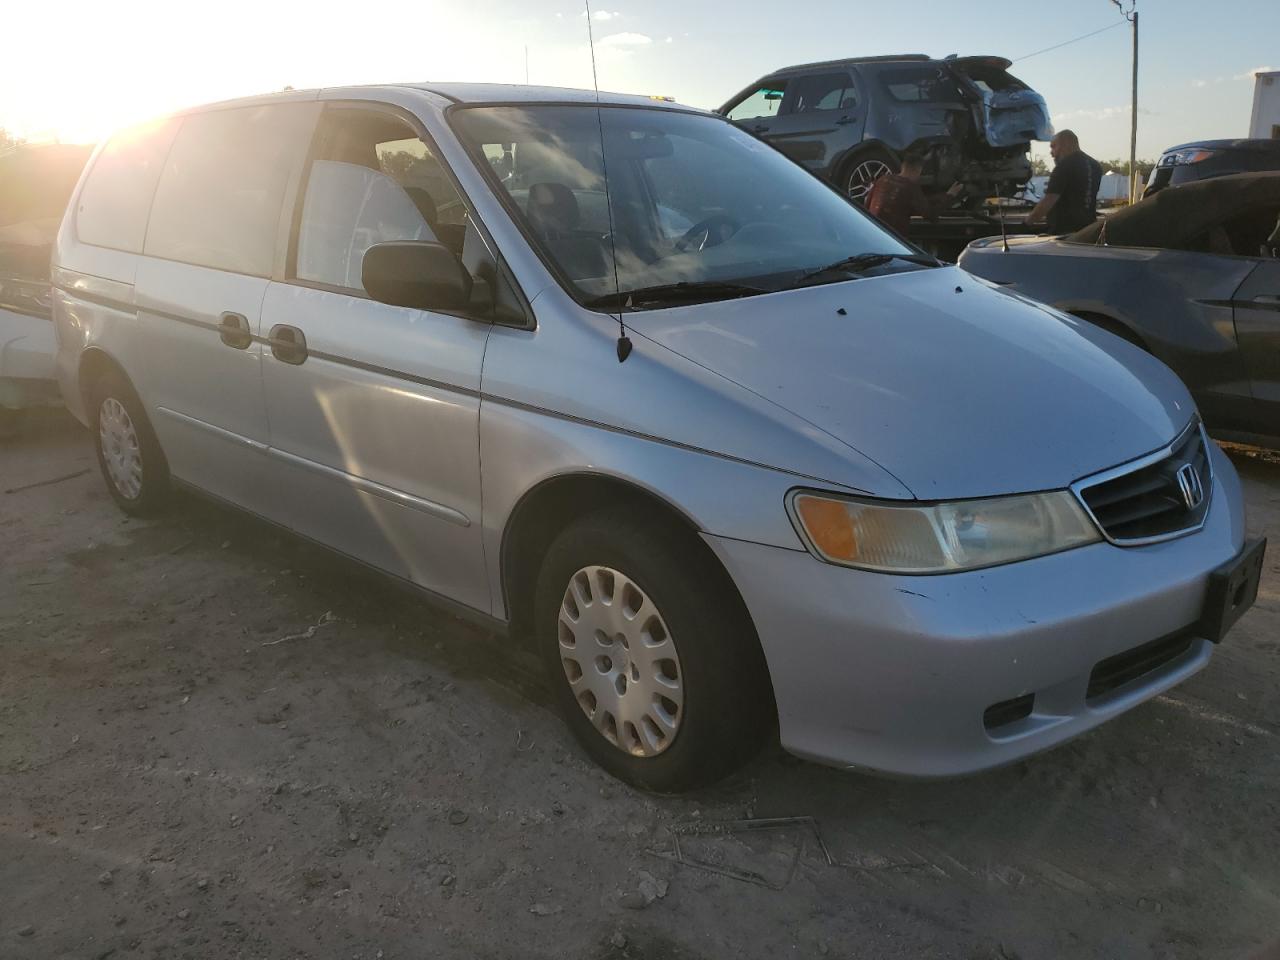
(374, 419)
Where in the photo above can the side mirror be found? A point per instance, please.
(415, 273)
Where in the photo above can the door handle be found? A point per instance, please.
(843, 120)
(288, 344)
(233, 328)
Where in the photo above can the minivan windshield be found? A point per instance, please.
(700, 209)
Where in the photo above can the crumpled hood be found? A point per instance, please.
(954, 387)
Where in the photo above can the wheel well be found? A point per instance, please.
(550, 507)
(855, 154)
(93, 364)
(1111, 325)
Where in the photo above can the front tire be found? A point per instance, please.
(129, 455)
(652, 660)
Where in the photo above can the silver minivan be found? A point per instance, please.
(618, 379)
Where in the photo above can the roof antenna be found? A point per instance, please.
(624, 342)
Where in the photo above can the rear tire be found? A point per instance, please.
(862, 170)
(129, 455)
(650, 655)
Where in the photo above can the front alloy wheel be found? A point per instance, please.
(620, 661)
(651, 657)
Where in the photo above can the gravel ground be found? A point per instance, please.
(219, 741)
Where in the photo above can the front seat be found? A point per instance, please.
(553, 213)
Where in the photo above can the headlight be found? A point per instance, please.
(940, 537)
(1182, 157)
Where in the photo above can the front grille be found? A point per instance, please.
(1114, 672)
(1152, 500)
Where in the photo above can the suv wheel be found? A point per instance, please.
(864, 170)
(129, 454)
(653, 663)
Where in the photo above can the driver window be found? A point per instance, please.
(763, 102)
(371, 181)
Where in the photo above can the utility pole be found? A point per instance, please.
(1131, 14)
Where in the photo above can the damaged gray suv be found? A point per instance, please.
(850, 121)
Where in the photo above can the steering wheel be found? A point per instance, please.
(706, 229)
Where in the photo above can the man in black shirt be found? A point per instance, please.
(1071, 198)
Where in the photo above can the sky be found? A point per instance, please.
(87, 67)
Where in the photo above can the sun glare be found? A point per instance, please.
(115, 70)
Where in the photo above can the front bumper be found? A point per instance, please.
(894, 674)
(27, 348)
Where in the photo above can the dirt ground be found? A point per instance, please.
(218, 741)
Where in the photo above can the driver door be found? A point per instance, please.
(1257, 315)
(373, 410)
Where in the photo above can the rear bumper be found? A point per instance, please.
(895, 674)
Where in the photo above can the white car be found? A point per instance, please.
(35, 184)
(27, 349)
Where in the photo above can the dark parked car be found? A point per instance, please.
(1188, 275)
(850, 121)
(1189, 162)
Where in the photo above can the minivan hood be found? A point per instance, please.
(956, 388)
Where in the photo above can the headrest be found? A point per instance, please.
(552, 206)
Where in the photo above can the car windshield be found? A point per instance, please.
(699, 208)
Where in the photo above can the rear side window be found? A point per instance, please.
(219, 198)
(762, 102)
(921, 85)
(116, 197)
(825, 91)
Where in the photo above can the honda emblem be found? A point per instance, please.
(1190, 487)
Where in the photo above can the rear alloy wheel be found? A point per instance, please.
(863, 171)
(651, 657)
(129, 455)
(121, 451)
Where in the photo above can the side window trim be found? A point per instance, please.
(289, 262)
(787, 106)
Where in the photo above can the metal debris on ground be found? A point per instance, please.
(306, 634)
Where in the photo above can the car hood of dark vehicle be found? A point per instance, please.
(953, 386)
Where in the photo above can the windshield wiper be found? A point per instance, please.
(862, 262)
(686, 291)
